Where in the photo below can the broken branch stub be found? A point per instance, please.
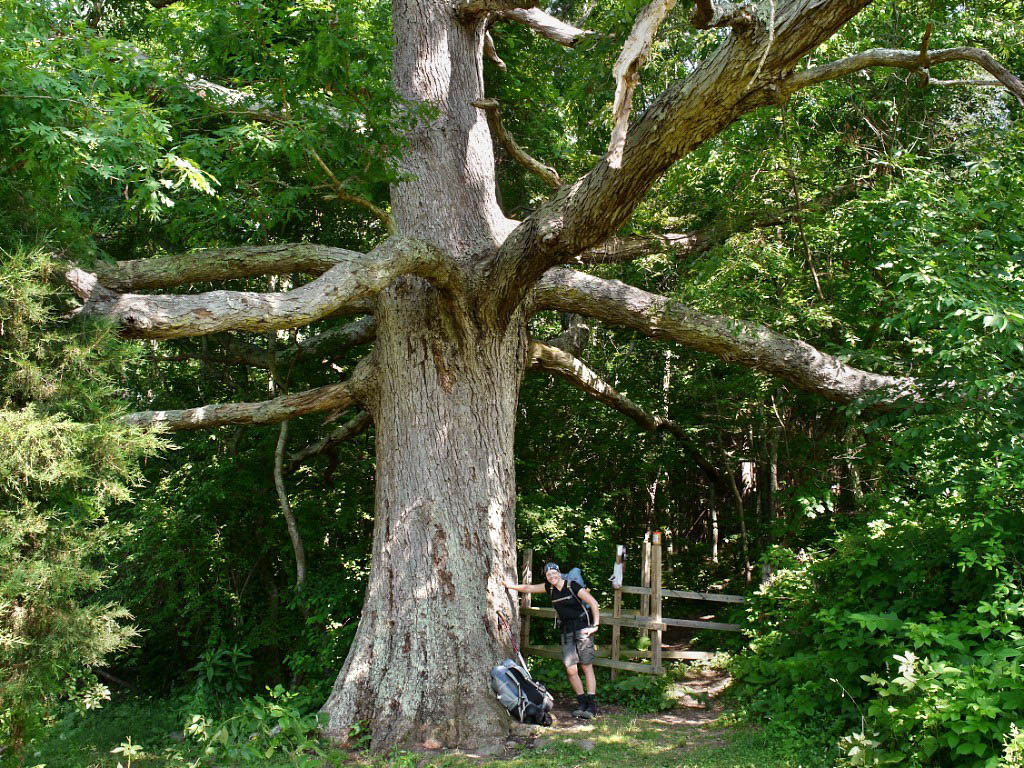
(627, 71)
(708, 15)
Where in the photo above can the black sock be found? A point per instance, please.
(581, 699)
(592, 702)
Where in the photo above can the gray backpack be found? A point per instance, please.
(525, 699)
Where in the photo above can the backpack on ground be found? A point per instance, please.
(525, 699)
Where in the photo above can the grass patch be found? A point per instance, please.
(612, 741)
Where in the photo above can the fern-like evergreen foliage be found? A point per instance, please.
(64, 461)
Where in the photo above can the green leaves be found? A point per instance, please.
(872, 622)
(65, 461)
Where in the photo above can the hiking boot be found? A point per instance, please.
(581, 710)
(591, 707)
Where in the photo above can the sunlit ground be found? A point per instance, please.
(614, 740)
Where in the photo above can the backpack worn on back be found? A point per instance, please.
(525, 699)
(574, 575)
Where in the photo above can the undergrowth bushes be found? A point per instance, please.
(905, 641)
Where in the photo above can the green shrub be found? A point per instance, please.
(65, 462)
(263, 727)
(907, 636)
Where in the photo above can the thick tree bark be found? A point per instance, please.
(444, 416)
(444, 538)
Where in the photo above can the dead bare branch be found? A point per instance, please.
(544, 357)
(548, 174)
(491, 52)
(546, 25)
(627, 71)
(902, 59)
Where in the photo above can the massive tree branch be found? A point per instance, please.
(221, 264)
(749, 344)
(349, 286)
(686, 115)
(546, 25)
(903, 59)
(561, 363)
(327, 398)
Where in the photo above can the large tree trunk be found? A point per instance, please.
(444, 536)
(444, 411)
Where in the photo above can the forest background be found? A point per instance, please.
(873, 216)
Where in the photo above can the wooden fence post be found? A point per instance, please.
(617, 609)
(645, 574)
(651, 621)
(656, 667)
(526, 577)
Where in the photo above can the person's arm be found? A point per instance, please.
(595, 610)
(535, 589)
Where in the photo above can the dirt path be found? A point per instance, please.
(696, 708)
(695, 697)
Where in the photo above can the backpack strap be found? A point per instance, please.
(583, 607)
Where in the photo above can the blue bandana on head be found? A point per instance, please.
(551, 567)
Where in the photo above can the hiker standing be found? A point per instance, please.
(579, 616)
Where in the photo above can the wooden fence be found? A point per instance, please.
(648, 618)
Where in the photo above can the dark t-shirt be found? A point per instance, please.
(572, 612)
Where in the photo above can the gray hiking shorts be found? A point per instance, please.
(577, 648)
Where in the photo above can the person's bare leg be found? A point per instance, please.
(588, 674)
(574, 678)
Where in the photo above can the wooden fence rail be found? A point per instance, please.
(648, 618)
